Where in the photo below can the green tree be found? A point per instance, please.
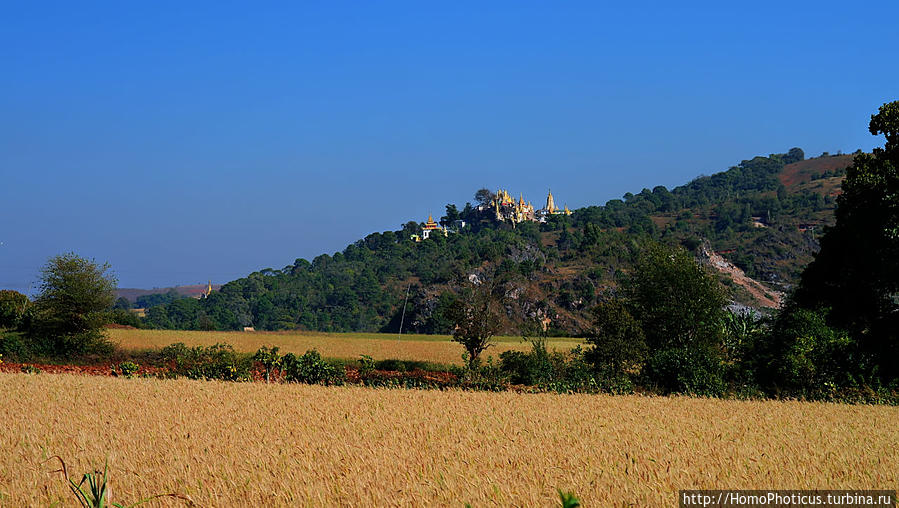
(71, 308)
(856, 273)
(619, 345)
(12, 308)
(477, 318)
(452, 215)
(680, 307)
(674, 298)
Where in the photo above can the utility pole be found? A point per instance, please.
(403, 315)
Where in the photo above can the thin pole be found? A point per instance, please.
(403, 316)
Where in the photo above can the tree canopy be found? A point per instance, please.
(855, 276)
(70, 311)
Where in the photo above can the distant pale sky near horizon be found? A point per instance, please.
(187, 141)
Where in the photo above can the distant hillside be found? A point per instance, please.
(194, 291)
(756, 223)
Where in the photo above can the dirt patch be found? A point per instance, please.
(765, 296)
(802, 171)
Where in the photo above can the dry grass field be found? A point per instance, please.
(380, 346)
(251, 444)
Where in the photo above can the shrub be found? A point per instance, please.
(310, 368)
(127, 369)
(401, 365)
(530, 368)
(366, 365)
(686, 370)
(556, 371)
(803, 355)
(14, 347)
(218, 361)
(269, 358)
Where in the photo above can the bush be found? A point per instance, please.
(126, 369)
(15, 347)
(686, 370)
(270, 359)
(528, 368)
(310, 368)
(219, 361)
(556, 371)
(803, 355)
(401, 365)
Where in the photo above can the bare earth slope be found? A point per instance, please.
(243, 444)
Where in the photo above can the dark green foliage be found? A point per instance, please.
(677, 307)
(803, 355)
(693, 370)
(402, 365)
(533, 368)
(151, 300)
(856, 273)
(125, 317)
(121, 303)
(676, 301)
(619, 346)
(68, 315)
(555, 371)
(15, 347)
(12, 308)
(219, 361)
(310, 368)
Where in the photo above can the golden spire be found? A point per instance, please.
(550, 204)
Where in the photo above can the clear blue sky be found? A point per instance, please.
(186, 141)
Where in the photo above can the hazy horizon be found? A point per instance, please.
(183, 143)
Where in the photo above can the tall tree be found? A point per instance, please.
(70, 311)
(675, 299)
(12, 307)
(856, 273)
(477, 318)
(484, 197)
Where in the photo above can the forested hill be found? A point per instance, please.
(763, 215)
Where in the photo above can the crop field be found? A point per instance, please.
(380, 346)
(252, 444)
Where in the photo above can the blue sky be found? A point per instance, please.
(187, 141)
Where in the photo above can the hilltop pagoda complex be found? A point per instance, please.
(506, 208)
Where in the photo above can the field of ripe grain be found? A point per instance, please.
(380, 346)
(252, 444)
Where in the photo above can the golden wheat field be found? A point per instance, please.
(252, 444)
(380, 346)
